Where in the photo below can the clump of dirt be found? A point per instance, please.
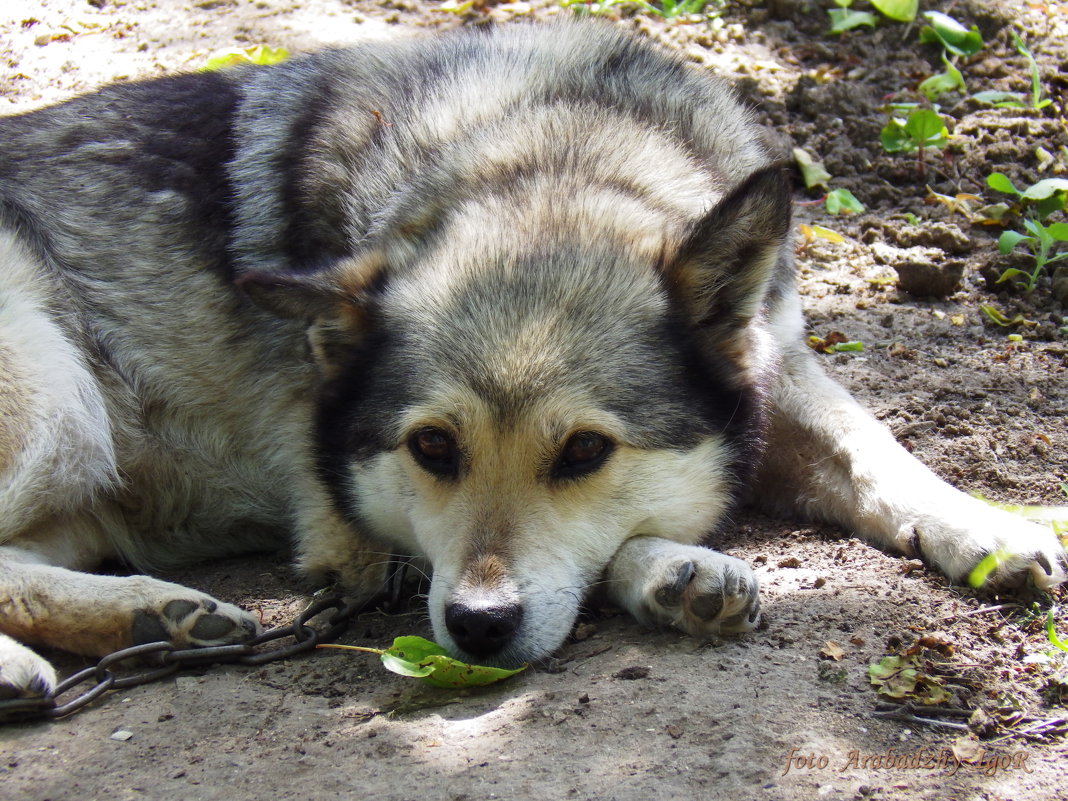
(788, 712)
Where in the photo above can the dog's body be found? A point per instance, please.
(519, 303)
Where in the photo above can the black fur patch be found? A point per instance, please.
(105, 151)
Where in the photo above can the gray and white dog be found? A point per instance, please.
(517, 302)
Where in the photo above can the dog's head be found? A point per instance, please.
(525, 393)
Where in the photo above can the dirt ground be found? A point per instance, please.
(624, 713)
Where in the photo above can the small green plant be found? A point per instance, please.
(420, 658)
(956, 41)
(1041, 240)
(902, 678)
(1046, 196)
(1037, 99)
(921, 129)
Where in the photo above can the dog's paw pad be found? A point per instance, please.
(710, 594)
(202, 622)
(23, 674)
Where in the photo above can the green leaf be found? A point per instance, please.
(442, 670)
(844, 19)
(405, 667)
(847, 347)
(259, 55)
(1000, 99)
(894, 138)
(926, 127)
(420, 658)
(1058, 231)
(953, 36)
(900, 677)
(942, 82)
(995, 316)
(1009, 240)
(813, 172)
(1001, 183)
(897, 10)
(994, 214)
(1045, 188)
(981, 572)
(1055, 202)
(1051, 632)
(842, 201)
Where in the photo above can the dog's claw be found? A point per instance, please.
(671, 594)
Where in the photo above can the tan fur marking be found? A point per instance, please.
(487, 573)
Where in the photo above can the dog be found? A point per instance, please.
(518, 302)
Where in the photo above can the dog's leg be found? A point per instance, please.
(695, 589)
(829, 459)
(57, 462)
(48, 604)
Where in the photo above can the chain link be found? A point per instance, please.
(171, 659)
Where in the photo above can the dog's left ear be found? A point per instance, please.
(723, 270)
(333, 301)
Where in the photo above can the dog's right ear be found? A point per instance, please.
(722, 272)
(334, 302)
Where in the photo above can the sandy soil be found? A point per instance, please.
(624, 713)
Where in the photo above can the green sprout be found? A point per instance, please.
(1040, 240)
(954, 39)
(1037, 100)
(1047, 196)
(923, 128)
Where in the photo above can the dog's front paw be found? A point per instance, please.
(193, 619)
(1014, 549)
(697, 590)
(23, 674)
(703, 593)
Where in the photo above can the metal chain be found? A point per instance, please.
(171, 659)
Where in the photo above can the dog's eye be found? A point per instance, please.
(435, 450)
(582, 454)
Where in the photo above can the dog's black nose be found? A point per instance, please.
(483, 630)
